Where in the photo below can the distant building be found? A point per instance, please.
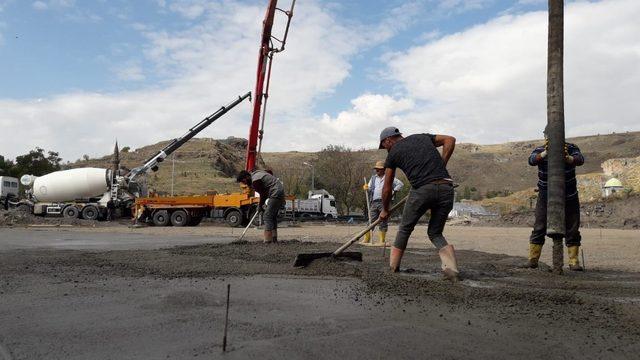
(611, 187)
(467, 208)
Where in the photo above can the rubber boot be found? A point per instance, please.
(558, 256)
(367, 238)
(534, 256)
(268, 236)
(383, 236)
(449, 263)
(574, 262)
(275, 235)
(394, 259)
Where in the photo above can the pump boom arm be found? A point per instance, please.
(263, 74)
(152, 163)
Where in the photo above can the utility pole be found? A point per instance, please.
(555, 132)
(313, 174)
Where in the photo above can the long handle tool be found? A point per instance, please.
(303, 260)
(248, 225)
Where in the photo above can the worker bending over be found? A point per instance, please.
(271, 192)
(374, 188)
(573, 157)
(431, 189)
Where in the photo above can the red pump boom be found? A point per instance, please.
(265, 58)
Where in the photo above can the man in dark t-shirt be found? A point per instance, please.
(431, 189)
(572, 158)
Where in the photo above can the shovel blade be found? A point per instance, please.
(303, 260)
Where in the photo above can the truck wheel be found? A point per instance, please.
(179, 218)
(90, 212)
(234, 218)
(161, 218)
(23, 208)
(71, 212)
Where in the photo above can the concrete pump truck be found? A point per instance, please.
(235, 208)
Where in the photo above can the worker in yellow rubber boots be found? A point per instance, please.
(374, 188)
(573, 158)
(431, 189)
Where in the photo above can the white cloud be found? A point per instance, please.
(370, 114)
(485, 84)
(190, 9)
(488, 83)
(40, 5)
(130, 71)
(4, 4)
(459, 6)
(2, 27)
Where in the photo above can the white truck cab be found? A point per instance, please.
(319, 204)
(8, 187)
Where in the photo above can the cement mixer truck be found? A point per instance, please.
(95, 193)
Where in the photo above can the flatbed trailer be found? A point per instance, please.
(236, 209)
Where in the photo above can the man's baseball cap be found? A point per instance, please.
(388, 132)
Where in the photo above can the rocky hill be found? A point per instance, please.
(200, 165)
(204, 164)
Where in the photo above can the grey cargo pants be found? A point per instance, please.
(374, 212)
(435, 197)
(270, 216)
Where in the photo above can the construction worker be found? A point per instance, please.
(271, 192)
(573, 158)
(431, 189)
(374, 188)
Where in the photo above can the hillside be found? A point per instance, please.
(201, 164)
(204, 164)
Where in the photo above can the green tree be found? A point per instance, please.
(467, 193)
(6, 167)
(37, 163)
(340, 171)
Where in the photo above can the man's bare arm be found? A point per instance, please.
(389, 175)
(448, 144)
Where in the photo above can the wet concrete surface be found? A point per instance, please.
(86, 239)
(169, 303)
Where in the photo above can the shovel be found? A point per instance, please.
(303, 260)
(248, 225)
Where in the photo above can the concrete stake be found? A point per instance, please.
(226, 321)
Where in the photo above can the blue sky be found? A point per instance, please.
(52, 47)
(144, 71)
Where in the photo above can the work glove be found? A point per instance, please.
(543, 154)
(264, 206)
(365, 187)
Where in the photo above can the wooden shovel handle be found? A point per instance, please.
(367, 229)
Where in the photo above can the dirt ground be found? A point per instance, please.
(140, 302)
(609, 249)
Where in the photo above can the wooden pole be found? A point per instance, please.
(555, 132)
(555, 120)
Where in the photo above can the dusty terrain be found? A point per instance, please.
(205, 164)
(66, 293)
